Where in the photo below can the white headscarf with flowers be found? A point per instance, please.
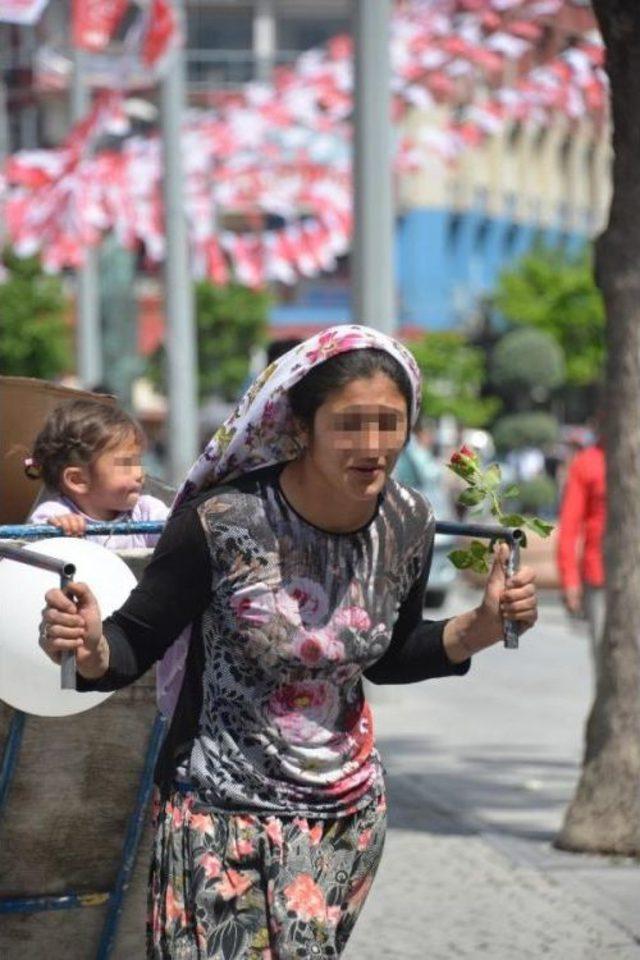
(262, 432)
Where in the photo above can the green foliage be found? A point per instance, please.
(516, 430)
(230, 321)
(539, 493)
(453, 375)
(35, 337)
(528, 358)
(557, 294)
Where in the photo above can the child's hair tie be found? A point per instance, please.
(32, 469)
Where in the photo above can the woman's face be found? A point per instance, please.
(358, 433)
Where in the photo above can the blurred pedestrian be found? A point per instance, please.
(417, 467)
(580, 541)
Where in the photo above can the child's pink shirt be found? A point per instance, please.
(147, 508)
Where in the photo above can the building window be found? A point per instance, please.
(482, 234)
(303, 34)
(454, 229)
(214, 29)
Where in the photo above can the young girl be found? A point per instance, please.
(89, 456)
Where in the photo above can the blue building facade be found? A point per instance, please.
(446, 262)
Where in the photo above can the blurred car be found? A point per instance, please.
(443, 573)
(418, 468)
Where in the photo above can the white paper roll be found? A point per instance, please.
(29, 681)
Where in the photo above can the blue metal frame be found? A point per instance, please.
(132, 841)
(72, 900)
(11, 753)
(66, 901)
(35, 531)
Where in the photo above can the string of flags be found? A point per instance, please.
(278, 155)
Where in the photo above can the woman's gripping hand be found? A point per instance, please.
(71, 621)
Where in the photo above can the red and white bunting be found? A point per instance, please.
(162, 33)
(93, 22)
(283, 150)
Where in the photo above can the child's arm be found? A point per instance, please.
(58, 515)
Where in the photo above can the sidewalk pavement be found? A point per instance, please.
(480, 771)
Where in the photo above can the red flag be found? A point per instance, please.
(162, 33)
(95, 21)
(217, 268)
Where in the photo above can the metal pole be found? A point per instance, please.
(88, 334)
(5, 143)
(180, 328)
(373, 297)
(264, 39)
(4, 122)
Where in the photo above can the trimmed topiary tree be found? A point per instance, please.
(530, 359)
(532, 429)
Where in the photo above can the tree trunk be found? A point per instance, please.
(604, 815)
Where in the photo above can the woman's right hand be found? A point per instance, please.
(71, 621)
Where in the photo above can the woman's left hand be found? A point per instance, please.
(515, 600)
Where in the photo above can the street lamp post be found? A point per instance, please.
(373, 297)
(180, 328)
(88, 333)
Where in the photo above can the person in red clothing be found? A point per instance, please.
(580, 540)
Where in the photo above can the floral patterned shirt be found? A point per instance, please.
(271, 717)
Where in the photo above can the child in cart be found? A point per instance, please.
(89, 456)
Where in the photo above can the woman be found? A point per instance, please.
(301, 566)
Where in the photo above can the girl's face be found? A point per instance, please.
(358, 433)
(111, 484)
(116, 478)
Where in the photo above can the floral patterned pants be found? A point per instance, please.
(244, 887)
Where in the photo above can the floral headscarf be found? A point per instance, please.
(262, 432)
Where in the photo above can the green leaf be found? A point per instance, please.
(492, 477)
(480, 565)
(511, 493)
(471, 497)
(461, 559)
(478, 548)
(541, 527)
(512, 520)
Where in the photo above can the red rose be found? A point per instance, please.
(465, 457)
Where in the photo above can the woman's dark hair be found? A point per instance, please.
(308, 395)
(74, 434)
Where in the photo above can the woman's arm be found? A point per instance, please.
(173, 592)
(417, 650)
(423, 649)
(515, 599)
